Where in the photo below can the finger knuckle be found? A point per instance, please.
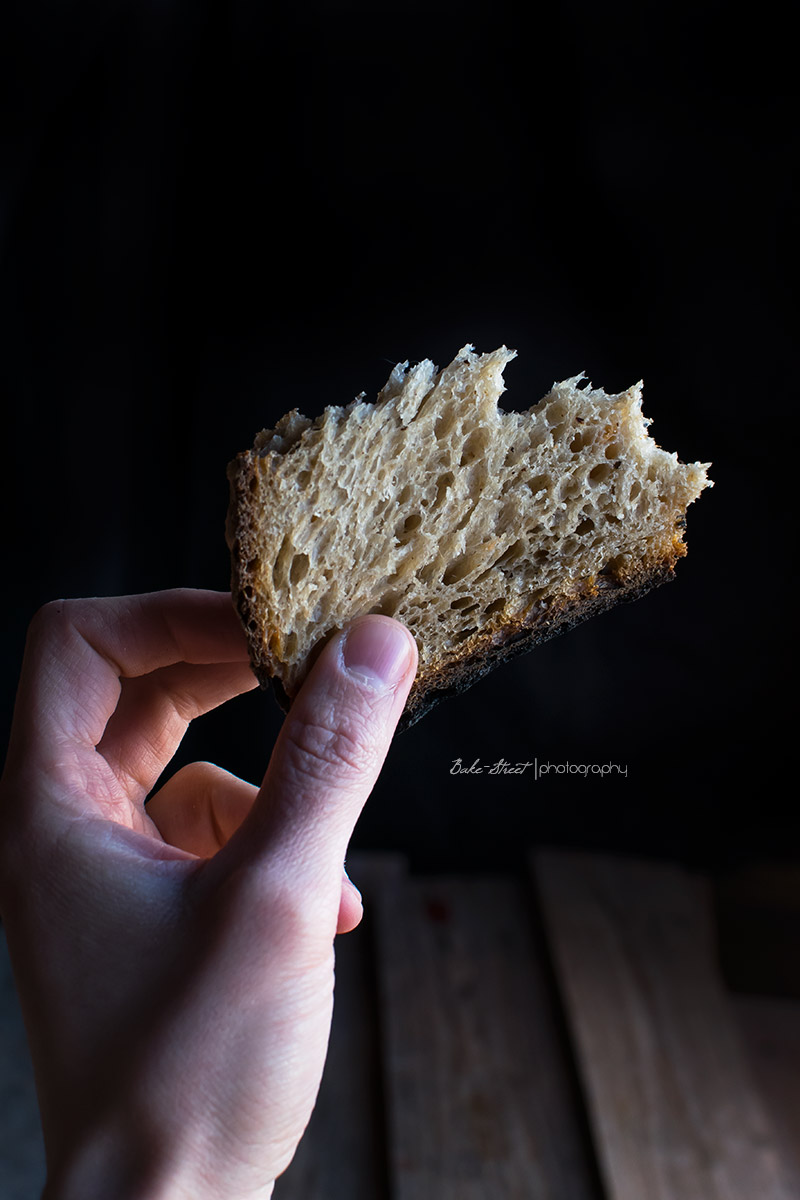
(316, 750)
(52, 616)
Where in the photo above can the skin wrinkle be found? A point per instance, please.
(172, 728)
(201, 806)
(80, 725)
(175, 636)
(114, 666)
(59, 612)
(199, 655)
(315, 748)
(130, 778)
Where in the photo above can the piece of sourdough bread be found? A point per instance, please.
(485, 532)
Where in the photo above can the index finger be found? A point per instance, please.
(78, 650)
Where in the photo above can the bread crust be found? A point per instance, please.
(520, 636)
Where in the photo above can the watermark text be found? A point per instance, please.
(538, 768)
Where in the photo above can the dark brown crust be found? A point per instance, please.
(525, 635)
(243, 548)
(454, 677)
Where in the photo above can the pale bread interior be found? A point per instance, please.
(434, 506)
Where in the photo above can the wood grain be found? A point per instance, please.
(674, 1109)
(771, 1033)
(479, 1101)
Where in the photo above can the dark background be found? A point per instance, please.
(215, 212)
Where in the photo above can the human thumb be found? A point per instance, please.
(328, 756)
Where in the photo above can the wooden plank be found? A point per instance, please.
(674, 1109)
(343, 1154)
(480, 1104)
(771, 1032)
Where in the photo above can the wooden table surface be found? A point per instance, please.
(562, 1035)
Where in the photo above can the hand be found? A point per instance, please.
(175, 961)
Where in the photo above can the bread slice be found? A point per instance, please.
(485, 532)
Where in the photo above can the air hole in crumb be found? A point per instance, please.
(444, 425)
(496, 606)
(556, 412)
(586, 526)
(388, 605)
(463, 602)
(600, 473)
(539, 483)
(299, 568)
(444, 482)
(581, 439)
(614, 450)
(281, 564)
(466, 633)
(460, 568)
(511, 554)
(412, 522)
(474, 447)
(615, 566)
